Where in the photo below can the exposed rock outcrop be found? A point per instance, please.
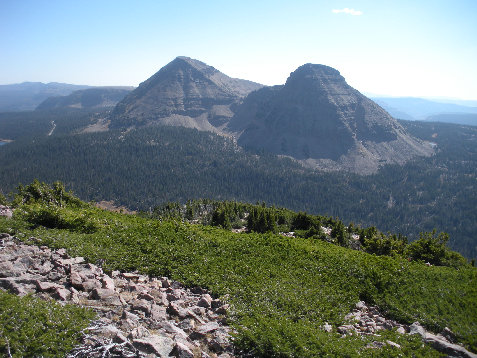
(317, 118)
(367, 320)
(187, 93)
(138, 316)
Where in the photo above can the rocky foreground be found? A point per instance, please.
(141, 316)
(138, 316)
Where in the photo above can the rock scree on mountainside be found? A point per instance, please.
(137, 315)
(185, 92)
(318, 119)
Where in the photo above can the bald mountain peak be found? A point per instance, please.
(318, 119)
(185, 92)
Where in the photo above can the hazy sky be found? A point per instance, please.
(400, 48)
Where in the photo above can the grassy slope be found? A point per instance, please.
(281, 289)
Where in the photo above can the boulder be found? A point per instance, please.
(61, 293)
(416, 328)
(442, 345)
(159, 345)
(110, 297)
(107, 282)
(141, 306)
(42, 286)
(180, 350)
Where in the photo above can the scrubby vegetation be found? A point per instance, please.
(430, 248)
(31, 327)
(282, 289)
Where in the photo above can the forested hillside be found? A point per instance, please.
(145, 168)
(24, 125)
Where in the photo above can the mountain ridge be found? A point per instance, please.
(318, 119)
(97, 97)
(26, 96)
(185, 92)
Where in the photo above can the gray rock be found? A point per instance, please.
(166, 283)
(448, 334)
(7, 269)
(90, 285)
(180, 350)
(110, 331)
(346, 329)
(107, 282)
(393, 344)
(309, 119)
(360, 305)
(176, 310)
(139, 332)
(186, 92)
(158, 312)
(76, 280)
(159, 345)
(401, 330)
(223, 309)
(13, 286)
(145, 296)
(141, 306)
(208, 327)
(130, 276)
(442, 345)
(42, 286)
(109, 297)
(416, 328)
(205, 301)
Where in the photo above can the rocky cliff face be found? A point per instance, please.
(91, 98)
(185, 92)
(317, 118)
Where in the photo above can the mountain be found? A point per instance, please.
(27, 96)
(411, 108)
(317, 118)
(186, 92)
(99, 97)
(457, 118)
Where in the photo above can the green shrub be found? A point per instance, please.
(3, 200)
(39, 192)
(432, 248)
(31, 327)
(55, 217)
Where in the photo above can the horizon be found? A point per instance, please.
(396, 49)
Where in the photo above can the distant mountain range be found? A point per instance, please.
(27, 96)
(410, 108)
(97, 97)
(316, 117)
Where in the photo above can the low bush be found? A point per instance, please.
(31, 327)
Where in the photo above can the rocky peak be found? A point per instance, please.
(311, 72)
(317, 118)
(185, 92)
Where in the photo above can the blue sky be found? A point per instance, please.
(400, 48)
